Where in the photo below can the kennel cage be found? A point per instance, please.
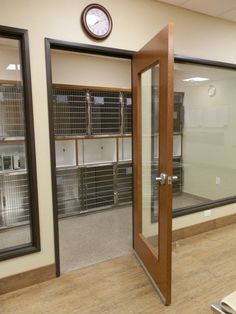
(91, 153)
(11, 111)
(89, 188)
(14, 183)
(81, 112)
(14, 200)
(70, 112)
(105, 112)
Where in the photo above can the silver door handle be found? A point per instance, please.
(162, 178)
(171, 179)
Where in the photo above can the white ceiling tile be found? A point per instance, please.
(230, 15)
(211, 7)
(225, 9)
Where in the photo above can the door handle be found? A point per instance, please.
(162, 178)
(171, 179)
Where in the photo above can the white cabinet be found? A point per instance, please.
(65, 153)
(99, 150)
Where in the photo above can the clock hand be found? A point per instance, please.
(99, 21)
(96, 22)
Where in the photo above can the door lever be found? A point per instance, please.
(171, 179)
(162, 178)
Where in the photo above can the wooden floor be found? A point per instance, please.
(204, 270)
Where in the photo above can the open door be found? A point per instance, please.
(152, 145)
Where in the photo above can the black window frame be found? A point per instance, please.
(34, 246)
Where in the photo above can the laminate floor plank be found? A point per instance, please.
(204, 271)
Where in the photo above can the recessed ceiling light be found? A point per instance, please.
(196, 79)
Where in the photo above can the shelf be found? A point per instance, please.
(12, 139)
(177, 133)
(13, 172)
(81, 137)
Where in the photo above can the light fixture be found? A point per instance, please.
(13, 67)
(196, 79)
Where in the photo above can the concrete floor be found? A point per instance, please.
(96, 237)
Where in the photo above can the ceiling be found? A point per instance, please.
(225, 9)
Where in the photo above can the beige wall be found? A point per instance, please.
(90, 70)
(135, 21)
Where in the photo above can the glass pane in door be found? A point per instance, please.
(150, 154)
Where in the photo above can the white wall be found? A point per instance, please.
(134, 23)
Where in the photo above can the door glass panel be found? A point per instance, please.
(150, 153)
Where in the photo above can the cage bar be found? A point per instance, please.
(11, 111)
(105, 112)
(127, 112)
(70, 112)
(14, 195)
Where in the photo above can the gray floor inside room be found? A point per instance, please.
(96, 237)
(184, 200)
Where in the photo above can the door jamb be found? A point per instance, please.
(80, 48)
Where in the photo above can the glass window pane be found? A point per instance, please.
(15, 211)
(204, 121)
(150, 154)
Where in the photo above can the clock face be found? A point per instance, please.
(211, 90)
(97, 21)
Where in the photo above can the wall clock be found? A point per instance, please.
(96, 21)
(211, 91)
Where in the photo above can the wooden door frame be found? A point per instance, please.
(80, 48)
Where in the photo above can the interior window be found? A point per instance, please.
(18, 196)
(204, 147)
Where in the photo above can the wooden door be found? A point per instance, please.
(152, 148)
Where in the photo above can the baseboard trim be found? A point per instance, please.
(193, 230)
(27, 278)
